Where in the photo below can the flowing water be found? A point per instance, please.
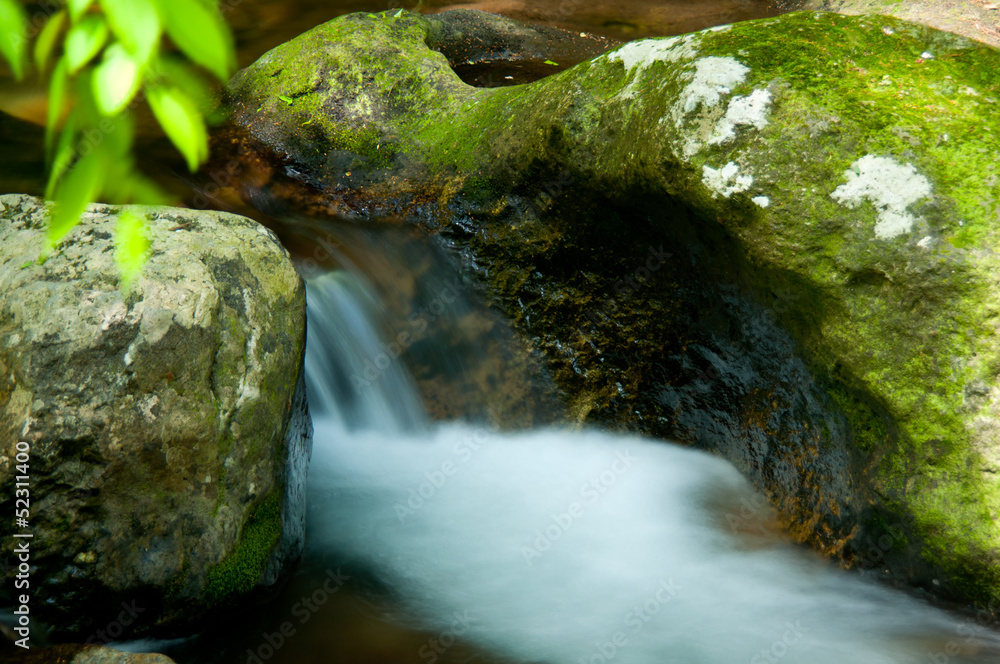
(459, 542)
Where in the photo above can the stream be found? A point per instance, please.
(460, 542)
(439, 532)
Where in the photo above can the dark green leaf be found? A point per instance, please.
(13, 45)
(80, 187)
(84, 41)
(47, 39)
(65, 153)
(57, 102)
(119, 136)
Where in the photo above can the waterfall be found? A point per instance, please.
(352, 378)
(571, 547)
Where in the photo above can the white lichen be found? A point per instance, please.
(713, 78)
(727, 180)
(644, 52)
(761, 201)
(749, 111)
(890, 186)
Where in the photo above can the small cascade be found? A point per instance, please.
(571, 547)
(351, 381)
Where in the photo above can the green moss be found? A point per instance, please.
(869, 431)
(239, 572)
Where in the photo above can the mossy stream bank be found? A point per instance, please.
(774, 239)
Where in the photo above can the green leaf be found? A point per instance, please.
(65, 153)
(118, 136)
(179, 73)
(13, 46)
(80, 187)
(200, 32)
(47, 39)
(398, 14)
(131, 245)
(181, 120)
(554, 64)
(84, 41)
(115, 80)
(287, 100)
(136, 23)
(125, 184)
(76, 8)
(57, 100)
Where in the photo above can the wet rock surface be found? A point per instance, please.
(80, 654)
(166, 423)
(775, 240)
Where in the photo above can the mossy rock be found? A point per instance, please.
(166, 422)
(826, 190)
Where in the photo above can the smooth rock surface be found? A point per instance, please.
(167, 425)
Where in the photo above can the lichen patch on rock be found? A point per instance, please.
(713, 78)
(888, 185)
(748, 111)
(643, 53)
(727, 180)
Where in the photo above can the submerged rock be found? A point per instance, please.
(775, 239)
(82, 654)
(164, 427)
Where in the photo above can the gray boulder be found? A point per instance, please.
(167, 425)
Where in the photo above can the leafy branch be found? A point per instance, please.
(101, 58)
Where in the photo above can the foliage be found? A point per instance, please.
(99, 55)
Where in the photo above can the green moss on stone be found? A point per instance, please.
(239, 572)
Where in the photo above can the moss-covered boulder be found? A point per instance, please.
(162, 429)
(969, 18)
(775, 239)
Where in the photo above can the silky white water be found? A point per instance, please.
(573, 548)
